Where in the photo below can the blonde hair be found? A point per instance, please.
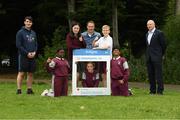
(106, 27)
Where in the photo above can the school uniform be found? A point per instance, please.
(90, 79)
(119, 71)
(60, 69)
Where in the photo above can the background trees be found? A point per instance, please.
(50, 15)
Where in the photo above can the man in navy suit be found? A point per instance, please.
(156, 47)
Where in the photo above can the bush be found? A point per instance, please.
(171, 67)
(58, 41)
(172, 58)
(138, 71)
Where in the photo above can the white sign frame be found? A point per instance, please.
(93, 55)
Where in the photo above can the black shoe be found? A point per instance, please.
(30, 91)
(19, 91)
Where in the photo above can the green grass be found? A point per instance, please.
(139, 106)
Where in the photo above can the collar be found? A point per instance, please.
(90, 34)
(106, 37)
(59, 58)
(114, 58)
(152, 31)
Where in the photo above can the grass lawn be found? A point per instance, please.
(139, 106)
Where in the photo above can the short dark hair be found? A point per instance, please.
(29, 18)
(59, 49)
(116, 48)
(91, 21)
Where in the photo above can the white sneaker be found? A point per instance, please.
(44, 93)
(50, 93)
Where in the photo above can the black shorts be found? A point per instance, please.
(26, 64)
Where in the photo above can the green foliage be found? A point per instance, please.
(138, 12)
(172, 7)
(139, 106)
(171, 69)
(58, 41)
(138, 71)
(172, 58)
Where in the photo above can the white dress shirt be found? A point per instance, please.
(150, 34)
(105, 43)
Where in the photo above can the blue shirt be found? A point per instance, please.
(89, 38)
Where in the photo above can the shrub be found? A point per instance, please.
(58, 41)
(138, 71)
(172, 57)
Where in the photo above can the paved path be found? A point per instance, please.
(146, 86)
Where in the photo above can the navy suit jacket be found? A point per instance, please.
(156, 49)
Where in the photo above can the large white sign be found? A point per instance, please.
(90, 55)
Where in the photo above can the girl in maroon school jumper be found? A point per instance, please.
(119, 74)
(60, 68)
(74, 40)
(90, 78)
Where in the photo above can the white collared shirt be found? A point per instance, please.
(105, 43)
(150, 34)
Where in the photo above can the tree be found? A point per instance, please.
(71, 11)
(115, 23)
(177, 7)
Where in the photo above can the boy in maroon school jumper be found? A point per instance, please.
(119, 74)
(60, 68)
(90, 78)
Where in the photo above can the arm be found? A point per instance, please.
(162, 42)
(32, 54)
(70, 44)
(95, 43)
(19, 44)
(68, 67)
(69, 41)
(50, 65)
(83, 42)
(126, 71)
(109, 43)
(84, 80)
(36, 44)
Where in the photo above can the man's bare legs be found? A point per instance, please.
(20, 78)
(29, 83)
(29, 80)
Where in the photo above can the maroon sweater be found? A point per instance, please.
(73, 43)
(90, 79)
(118, 72)
(61, 68)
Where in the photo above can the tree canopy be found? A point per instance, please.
(49, 14)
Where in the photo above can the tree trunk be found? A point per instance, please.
(115, 24)
(71, 11)
(177, 7)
